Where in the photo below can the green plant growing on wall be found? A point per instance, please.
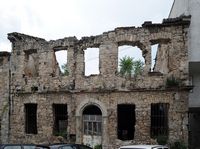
(98, 146)
(62, 134)
(172, 82)
(178, 145)
(162, 140)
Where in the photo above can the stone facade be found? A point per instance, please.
(4, 95)
(35, 78)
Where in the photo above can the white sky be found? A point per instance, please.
(54, 19)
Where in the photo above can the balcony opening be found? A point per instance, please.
(126, 121)
(31, 118)
(159, 119)
(154, 50)
(91, 59)
(60, 115)
(130, 61)
(61, 58)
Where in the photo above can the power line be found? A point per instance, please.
(121, 50)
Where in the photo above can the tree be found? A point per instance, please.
(137, 67)
(65, 70)
(129, 67)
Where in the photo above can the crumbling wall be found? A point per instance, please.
(36, 78)
(4, 96)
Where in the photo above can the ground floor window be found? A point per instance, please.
(126, 121)
(31, 118)
(92, 121)
(60, 119)
(159, 119)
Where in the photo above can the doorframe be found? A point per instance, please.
(79, 119)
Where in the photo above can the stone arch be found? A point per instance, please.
(88, 102)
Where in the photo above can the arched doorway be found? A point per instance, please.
(92, 125)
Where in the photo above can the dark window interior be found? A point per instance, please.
(60, 119)
(31, 118)
(92, 110)
(159, 119)
(126, 121)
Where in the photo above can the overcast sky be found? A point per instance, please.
(54, 19)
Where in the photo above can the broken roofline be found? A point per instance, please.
(182, 20)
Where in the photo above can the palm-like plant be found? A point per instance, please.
(129, 67)
(137, 67)
(126, 66)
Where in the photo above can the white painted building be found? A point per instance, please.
(192, 7)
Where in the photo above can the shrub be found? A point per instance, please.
(98, 146)
(178, 145)
(172, 82)
(162, 140)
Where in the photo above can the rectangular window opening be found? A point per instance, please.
(61, 62)
(159, 119)
(31, 118)
(130, 60)
(126, 121)
(91, 59)
(60, 119)
(154, 50)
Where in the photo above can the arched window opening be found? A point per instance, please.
(91, 59)
(61, 58)
(125, 121)
(92, 120)
(130, 60)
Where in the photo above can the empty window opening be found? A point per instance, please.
(31, 63)
(91, 59)
(159, 119)
(154, 50)
(60, 119)
(61, 58)
(31, 118)
(92, 120)
(130, 60)
(126, 121)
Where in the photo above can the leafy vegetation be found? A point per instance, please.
(162, 140)
(129, 66)
(62, 134)
(172, 82)
(65, 71)
(98, 146)
(178, 145)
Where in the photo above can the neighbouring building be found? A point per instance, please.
(39, 104)
(192, 7)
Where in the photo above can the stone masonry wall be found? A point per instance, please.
(4, 96)
(36, 78)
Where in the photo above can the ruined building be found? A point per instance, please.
(192, 7)
(38, 103)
